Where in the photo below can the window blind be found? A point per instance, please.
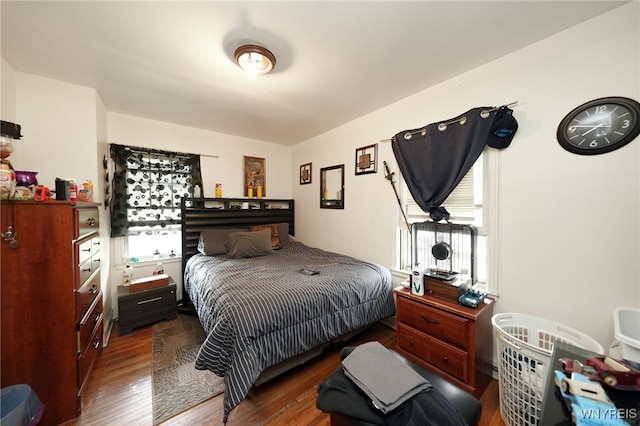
(460, 203)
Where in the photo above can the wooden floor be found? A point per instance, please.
(119, 389)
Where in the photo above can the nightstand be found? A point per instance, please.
(145, 307)
(452, 340)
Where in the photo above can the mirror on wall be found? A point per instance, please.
(332, 187)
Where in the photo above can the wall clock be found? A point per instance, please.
(599, 126)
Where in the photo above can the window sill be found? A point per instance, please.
(151, 262)
(400, 273)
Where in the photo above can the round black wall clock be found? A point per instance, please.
(599, 126)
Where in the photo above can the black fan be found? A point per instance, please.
(444, 250)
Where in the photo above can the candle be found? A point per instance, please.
(259, 191)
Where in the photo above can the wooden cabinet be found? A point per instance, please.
(452, 340)
(52, 316)
(144, 307)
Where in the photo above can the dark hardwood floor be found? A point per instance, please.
(119, 389)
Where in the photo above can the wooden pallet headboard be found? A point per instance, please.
(199, 214)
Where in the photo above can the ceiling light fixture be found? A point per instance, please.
(255, 59)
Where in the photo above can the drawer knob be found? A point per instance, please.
(412, 343)
(85, 269)
(445, 359)
(96, 316)
(87, 249)
(93, 289)
(91, 221)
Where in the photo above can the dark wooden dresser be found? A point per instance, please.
(138, 308)
(52, 316)
(454, 341)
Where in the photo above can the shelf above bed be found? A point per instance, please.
(238, 203)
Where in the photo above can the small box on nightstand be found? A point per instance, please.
(148, 283)
(138, 308)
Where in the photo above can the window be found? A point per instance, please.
(148, 186)
(467, 206)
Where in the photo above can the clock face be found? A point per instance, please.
(600, 126)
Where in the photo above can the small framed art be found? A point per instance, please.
(367, 159)
(305, 174)
(255, 176)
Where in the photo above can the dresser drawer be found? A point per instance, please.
(91, 351)
(444, 326)
(88, 323)
(87, 248)
(87, 258)
(95, 248)
(446, 357)
(145, 307)
(84, 249)
(449, 358)
(413, 341)
(85, 296)
(88, 221)
(84, 272)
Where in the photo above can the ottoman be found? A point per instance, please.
(467, 406)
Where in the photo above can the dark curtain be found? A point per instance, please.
(434, 161)
(147, 186)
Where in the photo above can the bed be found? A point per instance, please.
(261, 314)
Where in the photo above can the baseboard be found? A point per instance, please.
(108, 326)
(390, 322)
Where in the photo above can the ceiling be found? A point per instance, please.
(336, 61)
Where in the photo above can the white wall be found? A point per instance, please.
(59, 129)
(222, 155)
(8, 104)
(568, 225)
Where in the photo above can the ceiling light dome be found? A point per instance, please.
(255, 59)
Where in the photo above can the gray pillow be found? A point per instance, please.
(212, 241)
(283, 234)
(249, 244)
(275, 238)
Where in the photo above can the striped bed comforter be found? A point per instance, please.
(260, 311)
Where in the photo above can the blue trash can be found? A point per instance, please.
(20, 406)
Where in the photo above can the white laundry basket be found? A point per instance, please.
(626, 327)
(524, 346)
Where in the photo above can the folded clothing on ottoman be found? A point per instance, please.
(420, 405)
(386, 380)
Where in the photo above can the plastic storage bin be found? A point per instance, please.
(524, 346)
(20, 406)
(626, 327)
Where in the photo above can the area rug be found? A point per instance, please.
(177, 385)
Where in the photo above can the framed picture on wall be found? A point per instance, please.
(305, 174)
(255, 175)
(367, 159)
